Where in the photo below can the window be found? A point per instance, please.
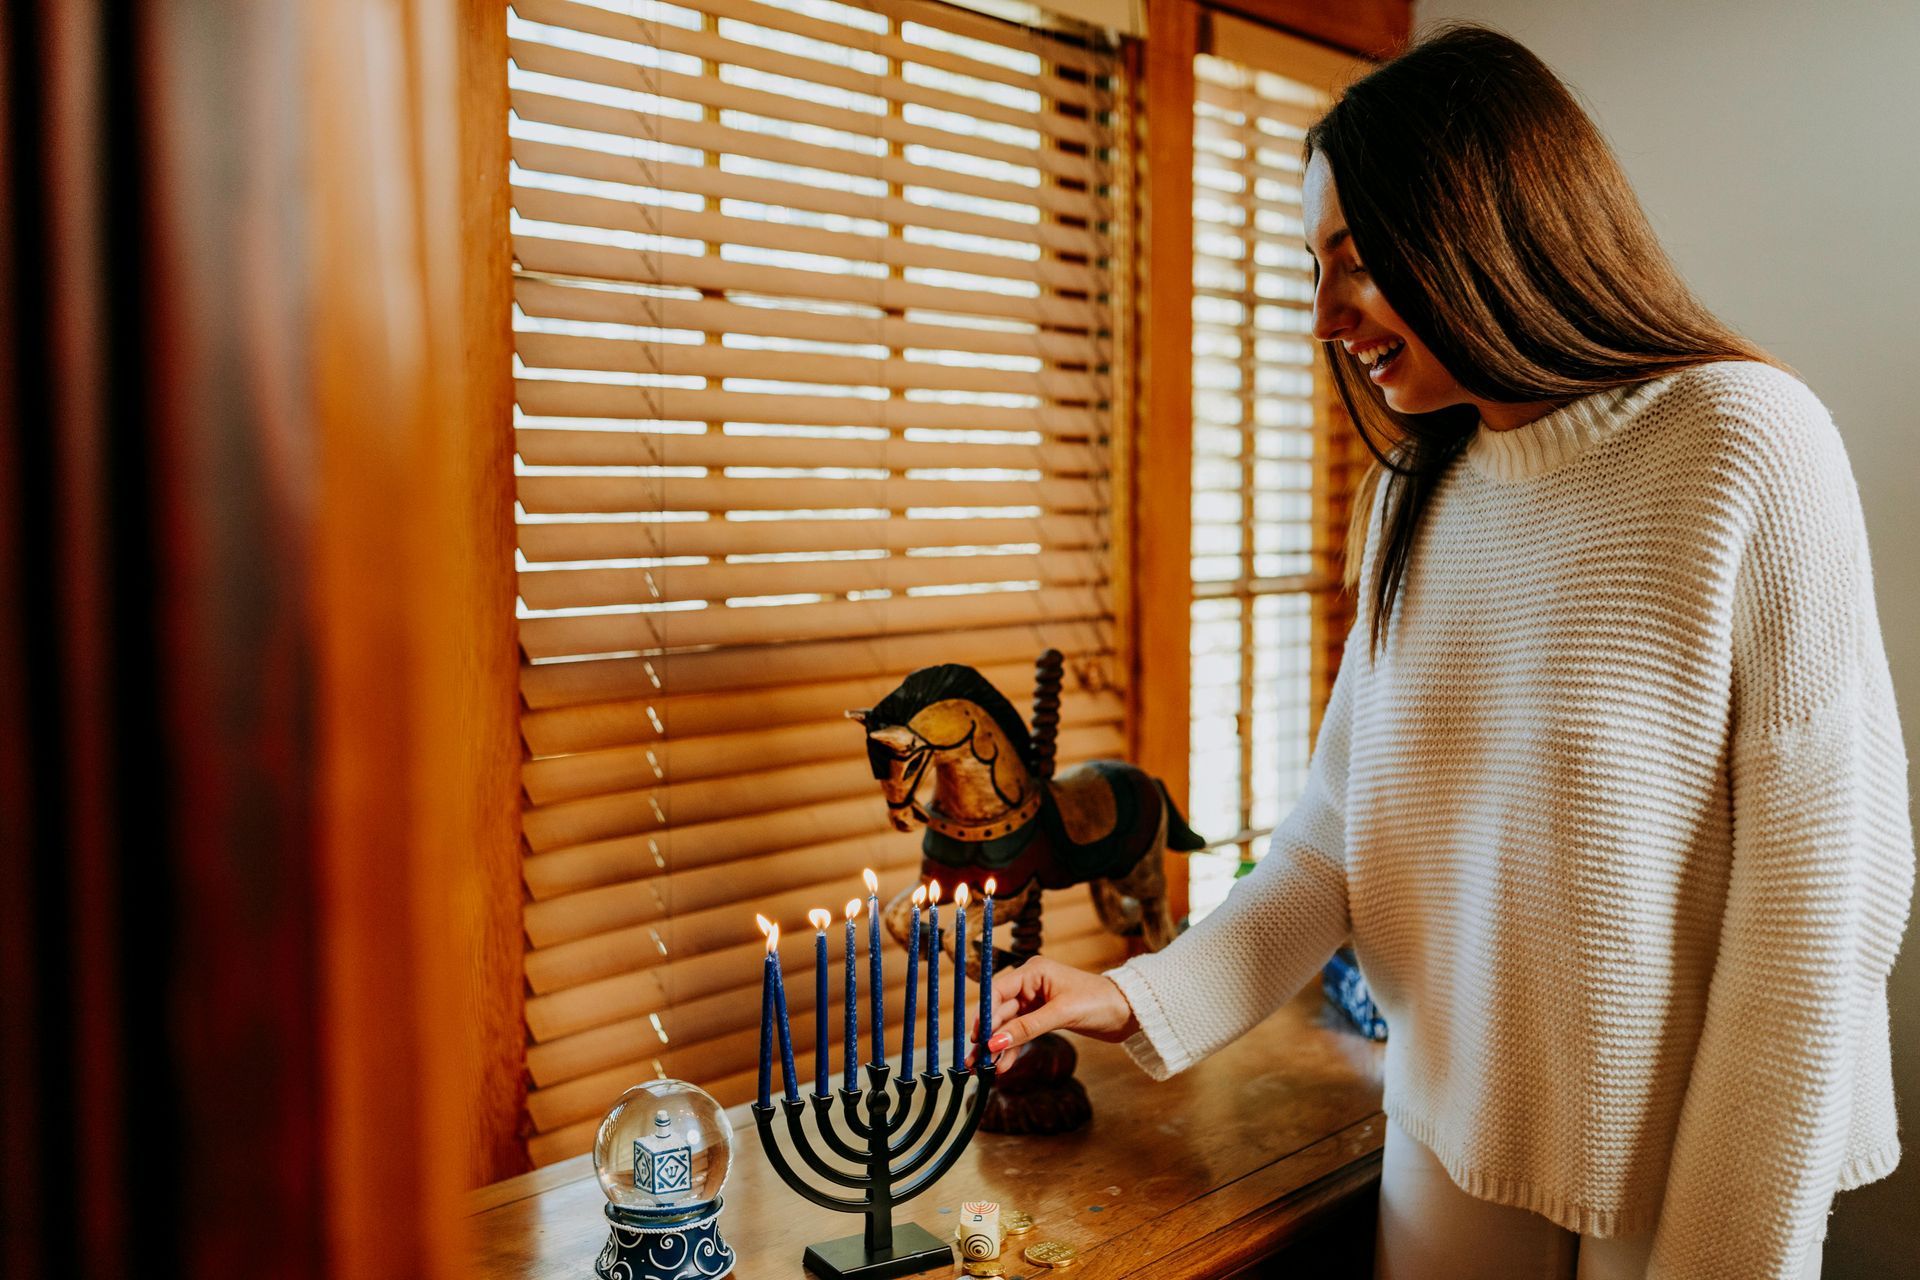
(1273, 463)
(814, 347)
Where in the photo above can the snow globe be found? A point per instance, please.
(661, 1156)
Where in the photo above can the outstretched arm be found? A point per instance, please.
(1277, 927)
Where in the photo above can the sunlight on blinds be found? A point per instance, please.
(813, 349)
(1260, 526)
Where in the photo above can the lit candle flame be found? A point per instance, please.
(920, 895)
(933, 894)
(773, 939)
(873, 881)
(990, 886)
(764, 923)
(853, 907)
(821, 918)
(960, 897)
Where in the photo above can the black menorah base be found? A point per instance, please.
(914, 1249)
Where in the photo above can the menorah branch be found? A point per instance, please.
(814, 1160)
(931, 1148)
(836, 1143)
(984, 1074)
(763, 1118)
(923, 1117)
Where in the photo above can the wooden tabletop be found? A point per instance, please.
(1189, 1177)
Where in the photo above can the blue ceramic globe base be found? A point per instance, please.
(679, 1246)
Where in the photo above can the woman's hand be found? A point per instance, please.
(1044, 995)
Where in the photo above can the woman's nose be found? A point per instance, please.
(1331, 314)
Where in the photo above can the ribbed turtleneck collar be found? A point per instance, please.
(1550, 442)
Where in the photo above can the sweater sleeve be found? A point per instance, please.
(1818, 888)
(1279, 923)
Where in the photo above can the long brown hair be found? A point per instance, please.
(1497, 222)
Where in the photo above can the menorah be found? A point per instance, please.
(898, 1150)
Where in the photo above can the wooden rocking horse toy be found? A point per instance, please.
(998, 812)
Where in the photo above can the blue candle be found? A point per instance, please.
(849, 1078)
(787, 1074)
(960, 977)
(821, 919)
(766, 1017)
(913, 985)
(933, 979)
(986, 971)
(877, 993)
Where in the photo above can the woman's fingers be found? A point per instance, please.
(1017, 1031)
(1043, 995)
(1016, 984)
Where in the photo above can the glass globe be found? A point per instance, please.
(663, 1149)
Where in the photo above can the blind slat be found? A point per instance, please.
(588, 588)
(693, 628)
(1237, 101)
(600, 494)
(558, 447)
(1275, 270)
(631, 723)
(635, 266)
(676, 359)
(753, 667)
(559, 398)
(632, 539)
(580, 301)
(587, 773)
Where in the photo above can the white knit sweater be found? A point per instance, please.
(1618, 825)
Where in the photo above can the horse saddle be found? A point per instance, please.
(1096, 821)
(1084, 797)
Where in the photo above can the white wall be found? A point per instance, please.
(1776, 147)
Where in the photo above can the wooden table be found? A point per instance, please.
(1268, 1149)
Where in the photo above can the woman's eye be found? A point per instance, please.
(1357, 269)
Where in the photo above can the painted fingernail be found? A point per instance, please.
(998, 1041)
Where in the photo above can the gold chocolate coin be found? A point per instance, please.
(1051, 1253)
(984, 1267)
(1015, 1223)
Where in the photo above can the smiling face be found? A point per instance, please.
(1349, 308)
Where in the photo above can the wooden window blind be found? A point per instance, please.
(1273, 467)
(813, 358)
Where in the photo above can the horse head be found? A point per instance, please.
(949, 721)
(899, 759)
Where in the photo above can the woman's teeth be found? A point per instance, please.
(1380, 358)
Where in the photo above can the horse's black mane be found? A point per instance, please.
(951, 680)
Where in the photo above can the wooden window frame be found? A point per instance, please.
(1280, 33)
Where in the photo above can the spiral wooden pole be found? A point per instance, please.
(1045, 729)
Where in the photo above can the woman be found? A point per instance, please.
(1610, 790)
